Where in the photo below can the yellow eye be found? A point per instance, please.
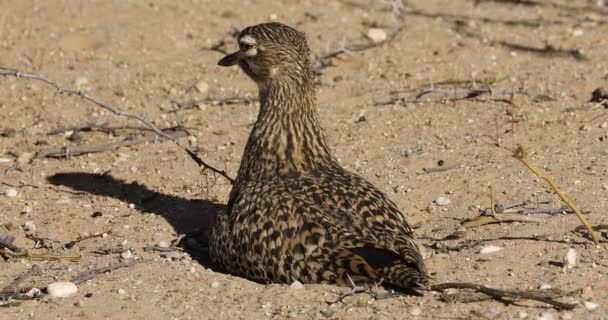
(247, 46)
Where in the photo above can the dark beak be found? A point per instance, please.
(230, 59)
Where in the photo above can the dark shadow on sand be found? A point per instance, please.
(188, 216)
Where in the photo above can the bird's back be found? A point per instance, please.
(320, 227)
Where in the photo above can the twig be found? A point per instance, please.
(91, 274)
(483, 220)
(324, 60)
(500, 208)
(61, 152)
(545, 210)
(439, 169)
(6, 241)
(34, 256)
(105, 250)
(91, 236)
(142, 119)
(506, 296)
(13, 287)
(100, 125)
(213, 101)
(162, 249)
(520, 154)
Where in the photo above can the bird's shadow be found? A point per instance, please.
(187, 216)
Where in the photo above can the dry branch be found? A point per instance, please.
(503, 218)
(91, 236)
(506, 296)
(213, 101)
(14, 286)
(35, 256)
(521, 155)
(6, 241)
(67, 152)
(91, 274)
(18, 74)
(99, 126)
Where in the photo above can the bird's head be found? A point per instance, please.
(269, 52)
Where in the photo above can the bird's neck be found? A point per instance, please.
(287, 136)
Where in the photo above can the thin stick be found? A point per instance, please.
(6, 241)
(497, 121)
(34, 271)
(101, 126)
(142, 119)
(439, 169)
(483, 220)
(520, 154)
(61, 152)
(34, 256)
(91, 274)
(162, 249)
(213, 101)
(501, 294)
(91, 236)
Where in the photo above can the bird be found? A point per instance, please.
(294, 213)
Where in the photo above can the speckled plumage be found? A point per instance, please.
(294, 213)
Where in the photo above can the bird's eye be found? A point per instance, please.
(247, 46)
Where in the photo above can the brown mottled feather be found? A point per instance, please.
(294, 213)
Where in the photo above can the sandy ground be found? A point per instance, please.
(142, 55)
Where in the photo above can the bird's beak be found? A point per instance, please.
(230, 59)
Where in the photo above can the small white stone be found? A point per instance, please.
(127, 254)
(29, 226)
(121, 291)
(577, 32)
(415, 311)
(605, 186)
(163, 244)
(377, 35)
(545, 316)
(202, 87)
(590, 305)
(522, 314)
(6, 160)
(81, 81)
(132, 205)
(273, 16)
(11, 192)
(545, 286)
(567, 315)
(296, 285)
(215, 284)
(489, 249)
(442, 201)
(32, 293)
(570, 259)
(61, 289)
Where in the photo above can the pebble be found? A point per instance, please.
(327, 312)
(545, 316)
(127, 254)
(377, 35)
(415, 311)
(570, 259)
(32, 293)
(590, 305)
(81, 81)
(605, 186)
(215, 284)
(442, 201)
(163, 244)
(29, 226)
(296, 285)
(202, 87)
(522, 314)
(489, 249)
(12, 192)
(6, 160)
(173, 255)
(121, 291)
(25, 159)
(545, 286)
(431, 208)
(61, 289)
